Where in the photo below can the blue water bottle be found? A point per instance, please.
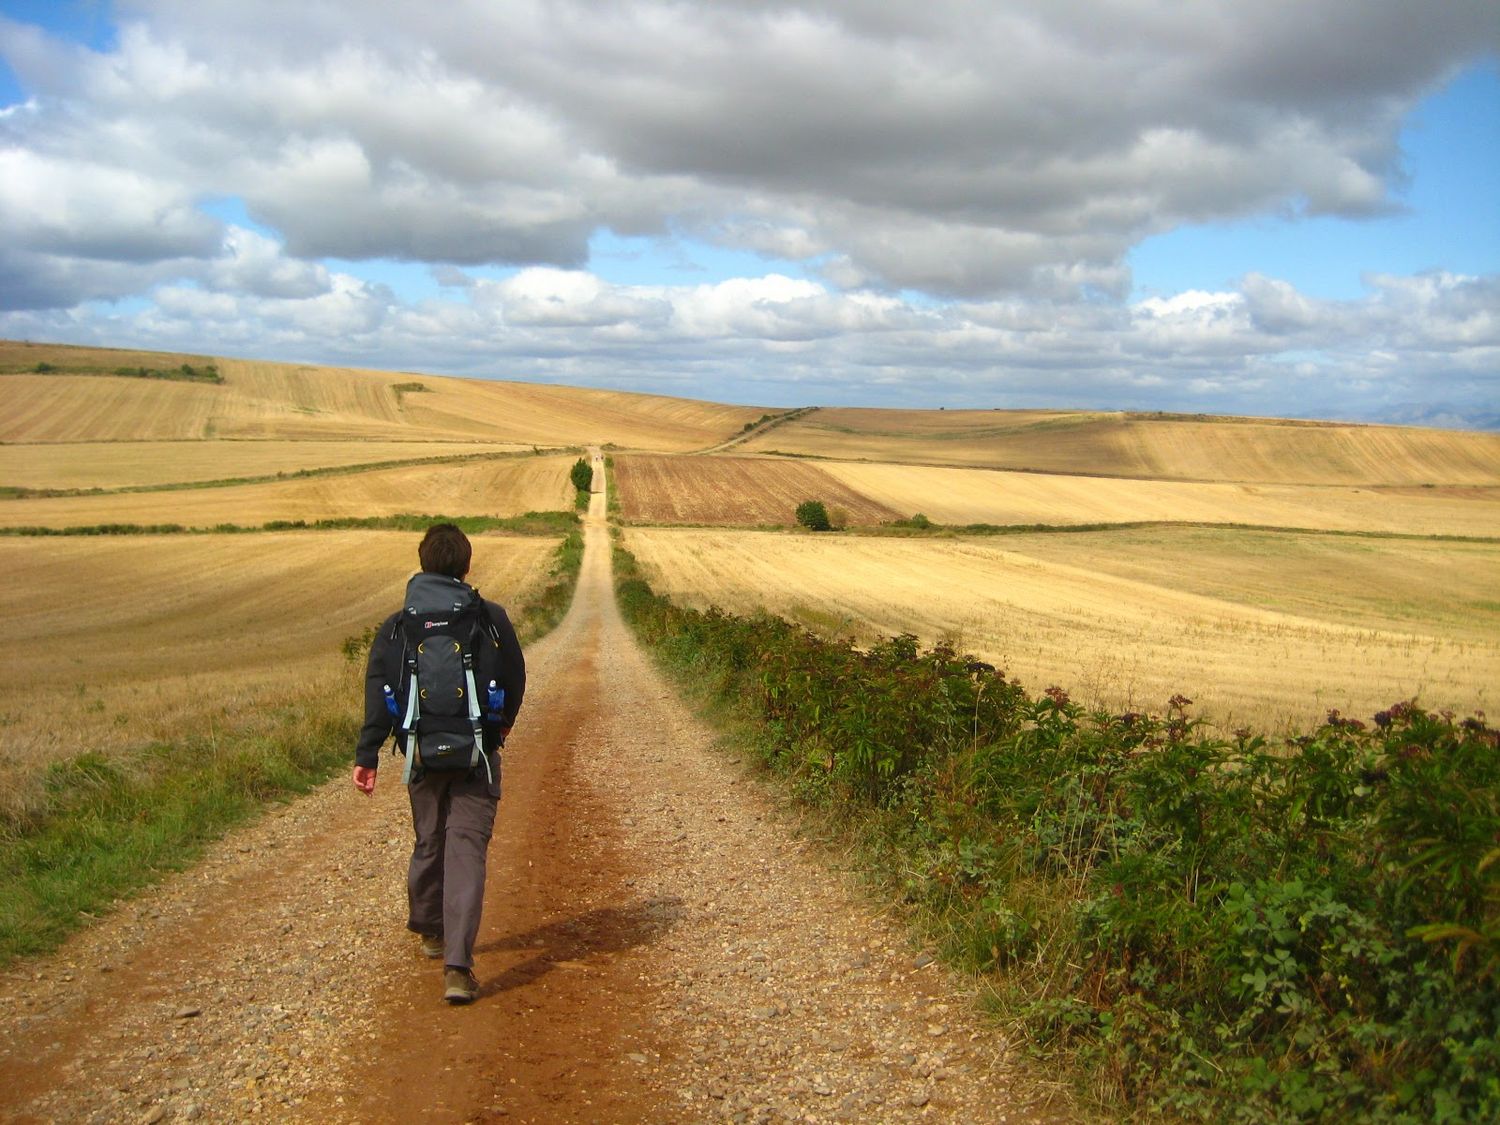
(494, 712)
(390, 701)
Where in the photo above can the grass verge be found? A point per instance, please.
(541, 614)
(107, 831)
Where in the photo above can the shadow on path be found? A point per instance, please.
(570, 942)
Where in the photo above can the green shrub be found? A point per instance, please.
(582, 475)
(812, 515)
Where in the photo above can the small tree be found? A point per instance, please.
(582, 475)
(812, 515)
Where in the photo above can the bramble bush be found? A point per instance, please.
(1218, 929)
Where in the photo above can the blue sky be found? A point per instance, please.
(1119, 219)
(1449, 216)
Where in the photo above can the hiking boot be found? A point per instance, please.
(460, 986)
(432, 945)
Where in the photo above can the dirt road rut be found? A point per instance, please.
(658, 945)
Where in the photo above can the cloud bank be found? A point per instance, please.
(960, 183)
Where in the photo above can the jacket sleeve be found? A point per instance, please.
(384, 656)
(512, 664)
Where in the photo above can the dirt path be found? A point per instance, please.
(658, 945)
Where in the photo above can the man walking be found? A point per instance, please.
(446, 675)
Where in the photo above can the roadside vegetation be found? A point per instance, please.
(1204, 927)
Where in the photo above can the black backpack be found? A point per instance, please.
(447, 686)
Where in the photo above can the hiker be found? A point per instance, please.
(446, 676)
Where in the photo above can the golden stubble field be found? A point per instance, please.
(122, 641)
(143, 464)
(960, 496)
(277, 400)
(507, 486)
(1148, 447)
(1267, 630)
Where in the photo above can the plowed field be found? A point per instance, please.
(733, 491)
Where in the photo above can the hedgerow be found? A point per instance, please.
(1215, 929)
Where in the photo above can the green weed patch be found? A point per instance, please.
(1210, 929)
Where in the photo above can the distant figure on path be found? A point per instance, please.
(446, 676)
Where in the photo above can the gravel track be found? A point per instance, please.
(659, 944)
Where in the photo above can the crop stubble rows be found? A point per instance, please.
(1121, 641)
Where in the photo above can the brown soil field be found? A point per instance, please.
(128, 464)
(277, 400)
(733, 491)
(507, 486)
(1133, 632)
(134, 639)
(963, 496)
(1264, 451)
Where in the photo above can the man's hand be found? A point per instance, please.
(364, 779)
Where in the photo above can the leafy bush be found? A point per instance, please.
(582, 475)
(1219, 929)
(812, 515)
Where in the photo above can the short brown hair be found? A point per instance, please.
(445, 550)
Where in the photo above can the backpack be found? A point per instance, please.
(446, 688)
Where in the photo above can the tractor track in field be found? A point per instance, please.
(659, 945)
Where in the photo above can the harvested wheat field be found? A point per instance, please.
(964, 496)
(1257, 451)
(505, 486)
(277, 400)
(136, 464)
(135, 639)
(733, 491)
(1130, 639)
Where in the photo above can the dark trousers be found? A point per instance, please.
(453, 815)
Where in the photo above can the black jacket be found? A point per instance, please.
(384, 667)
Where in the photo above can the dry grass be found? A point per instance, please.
(137, 639)
(1147, 447)
(146, 463)
(963, 496)
(732, 491)
(1131, 633)
(285, 401)
(505, 487)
